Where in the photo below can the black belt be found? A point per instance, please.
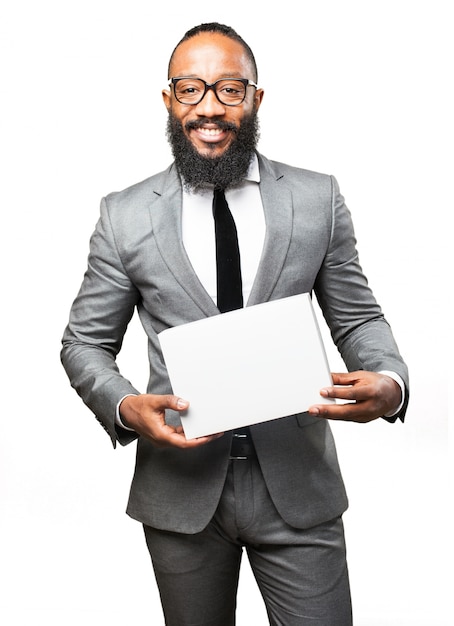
(242, 446)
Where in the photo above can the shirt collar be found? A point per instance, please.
(253, 174)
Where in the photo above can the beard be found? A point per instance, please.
(225, 171)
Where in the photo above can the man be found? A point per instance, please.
(274, 488)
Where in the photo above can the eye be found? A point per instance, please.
(231, 91)
(188, 88)
(231, 88)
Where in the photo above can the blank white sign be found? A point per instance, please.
(247, 366)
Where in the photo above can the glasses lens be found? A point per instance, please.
(192, 90)
(230, 91)
(189, 90)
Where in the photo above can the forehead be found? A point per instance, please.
(211, 56)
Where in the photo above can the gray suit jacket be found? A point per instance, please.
(137, 259)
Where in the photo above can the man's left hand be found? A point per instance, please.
(369, 395)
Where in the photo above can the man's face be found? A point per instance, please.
(211, 56)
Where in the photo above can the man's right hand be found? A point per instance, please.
(145, 414)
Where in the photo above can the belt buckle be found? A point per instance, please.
(239, 438)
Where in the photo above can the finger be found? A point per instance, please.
(201, 441)
(352, 393)
(347, 378)
(165, 435)
(178, 439)
(341, 392)
(348, 412)
(353, 386)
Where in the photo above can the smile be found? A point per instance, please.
(212, 132)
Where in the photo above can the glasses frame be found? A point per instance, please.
(246, 82)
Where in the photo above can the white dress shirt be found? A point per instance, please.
(245, 204)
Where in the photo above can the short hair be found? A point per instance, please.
(222, 29)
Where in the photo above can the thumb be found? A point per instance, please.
(176, 403)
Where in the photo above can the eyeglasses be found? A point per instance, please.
(229, 91)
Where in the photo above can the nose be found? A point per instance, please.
(210, 106)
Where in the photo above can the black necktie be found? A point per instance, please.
(229, 289)
(229, 285)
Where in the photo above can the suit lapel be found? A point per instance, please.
(166, 221)
(278, 208)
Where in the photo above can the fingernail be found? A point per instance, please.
(181, 404)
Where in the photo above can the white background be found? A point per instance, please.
(357, 89)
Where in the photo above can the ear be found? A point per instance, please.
(258, 97)
(166, 98)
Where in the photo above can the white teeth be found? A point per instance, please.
(211, 131)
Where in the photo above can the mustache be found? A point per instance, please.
(221, 124)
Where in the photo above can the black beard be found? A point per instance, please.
(229, 169)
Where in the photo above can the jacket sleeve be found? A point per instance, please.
(357, 324)
(93, 337)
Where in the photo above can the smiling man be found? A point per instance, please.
(212, 125)
(221, 228)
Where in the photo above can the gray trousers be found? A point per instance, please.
(302, 574)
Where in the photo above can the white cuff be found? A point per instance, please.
(401, 384)
(118, 421)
